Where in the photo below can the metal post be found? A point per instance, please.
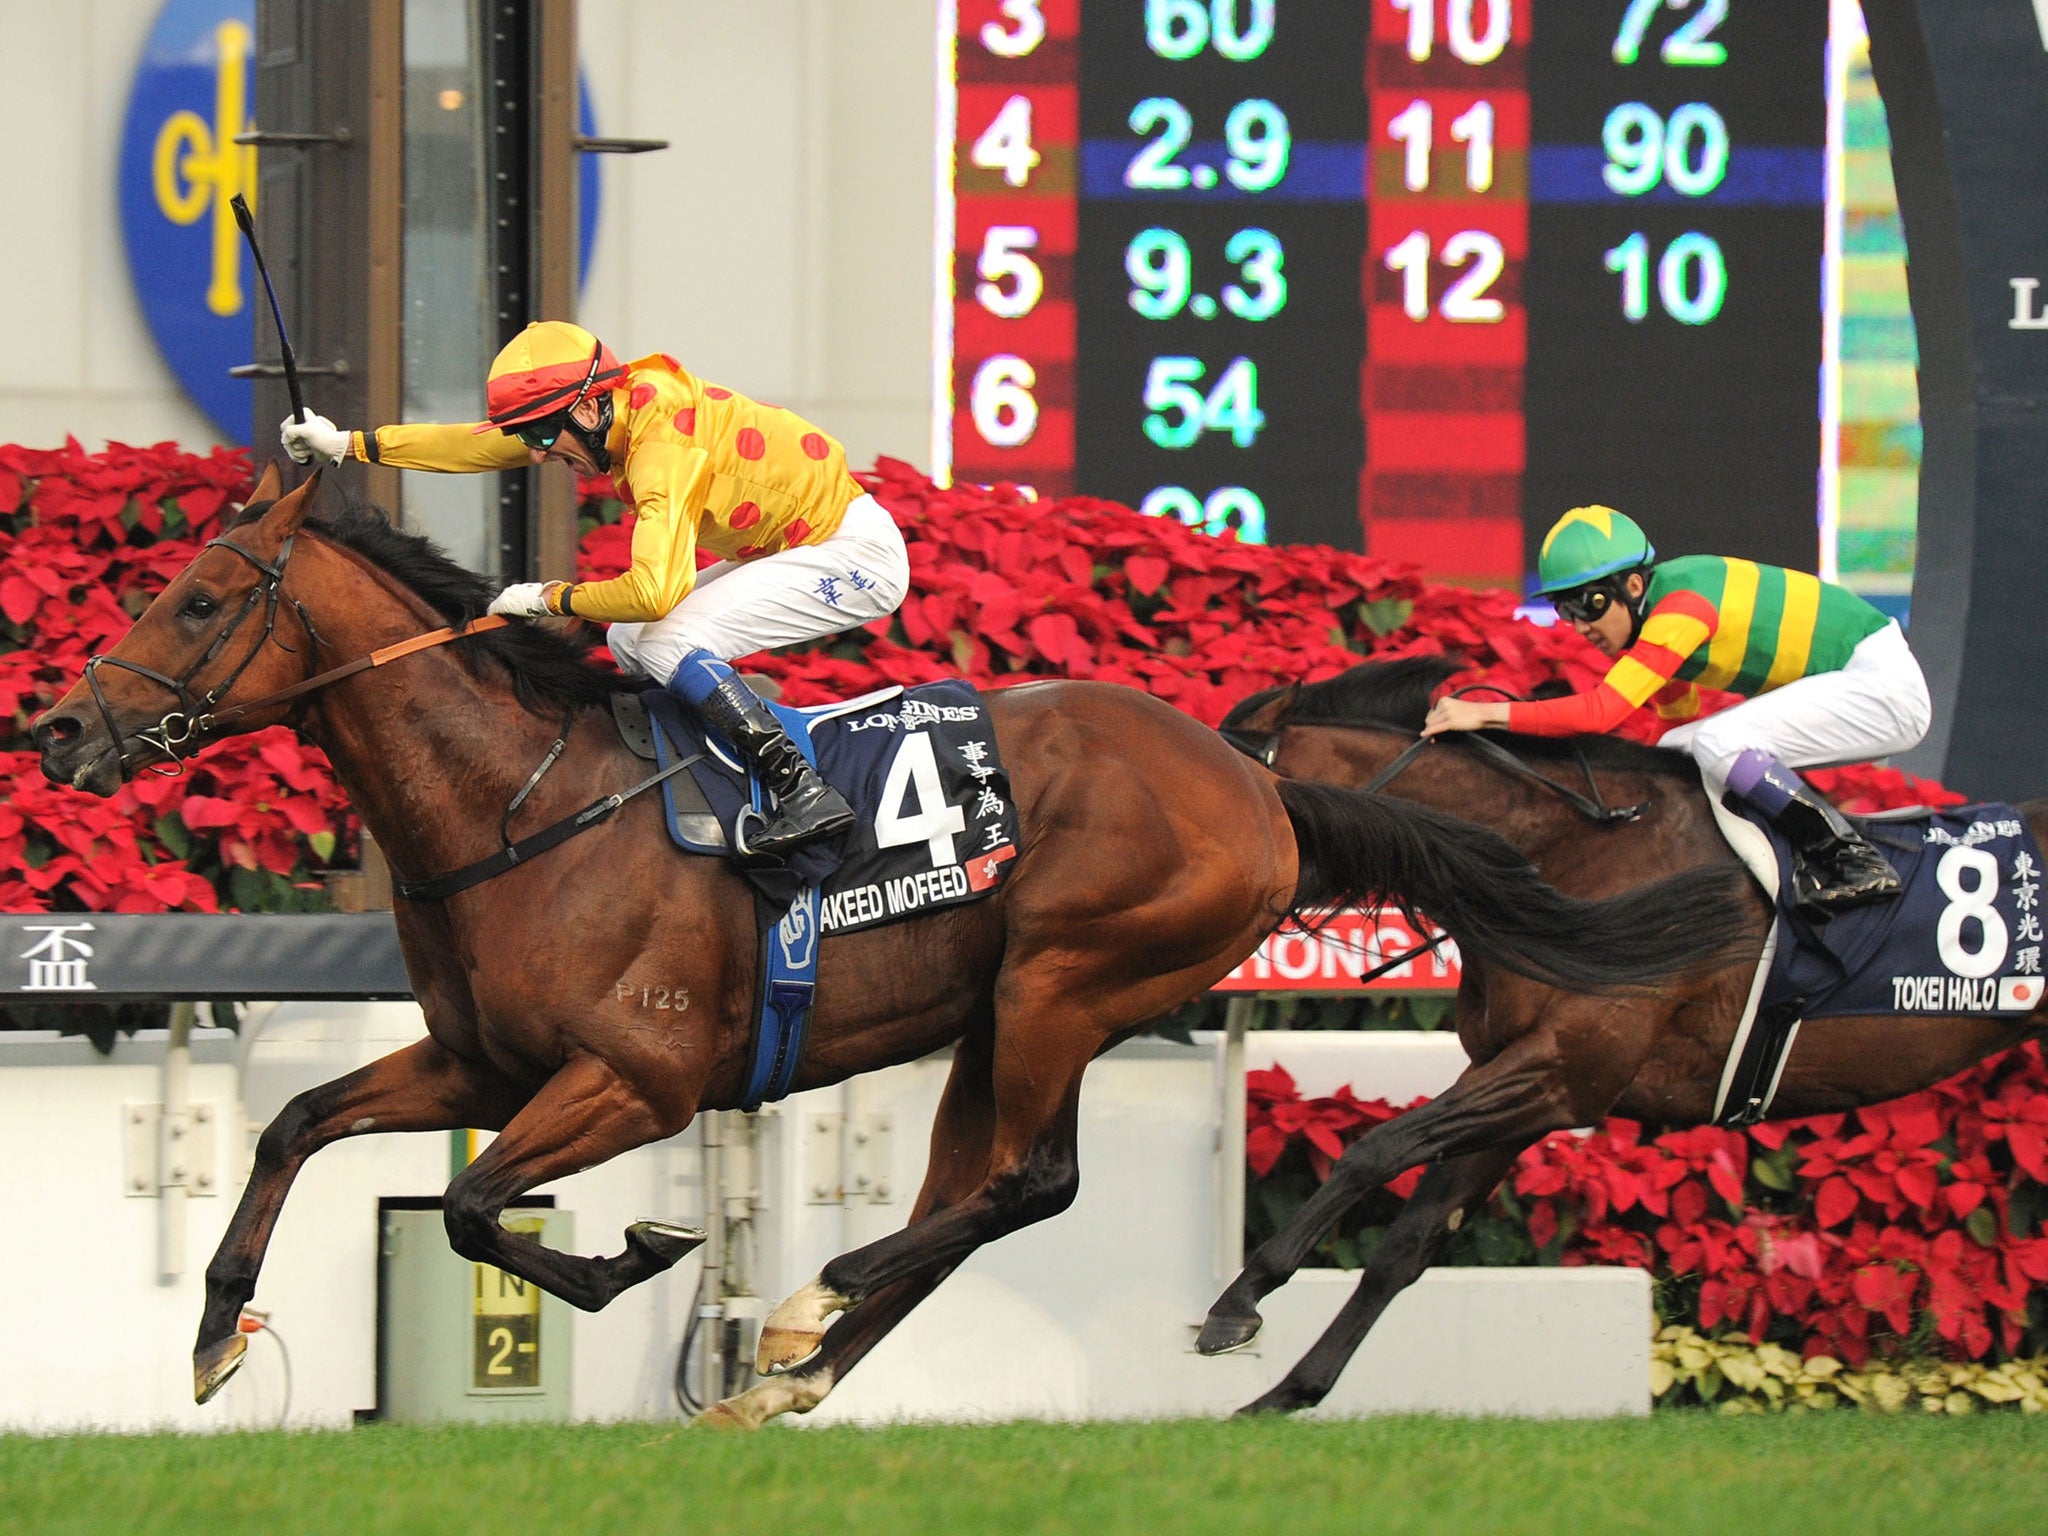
(1237, 1020)
(710, 1318)
(173, 1147)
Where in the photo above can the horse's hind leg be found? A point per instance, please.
(422, 1087)
(959, 1161)
(583, 1115)
(1030, 1172)
(1448, 1193)
(1513, 1099)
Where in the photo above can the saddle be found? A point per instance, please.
(1964, 937)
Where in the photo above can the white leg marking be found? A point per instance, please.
(758, 1404)
(794, 1330)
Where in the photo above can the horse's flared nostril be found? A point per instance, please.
(56, 731)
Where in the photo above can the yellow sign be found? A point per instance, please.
(505, 1355)
(197, 165)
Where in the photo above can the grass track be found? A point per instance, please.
(1672, 1474)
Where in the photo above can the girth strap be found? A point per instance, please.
(441, 887)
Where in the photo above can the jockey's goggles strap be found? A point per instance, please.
(378, 658)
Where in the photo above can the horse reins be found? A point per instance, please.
(1266, 750)
(177, 735)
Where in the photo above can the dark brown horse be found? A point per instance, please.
(1153, 859)
(1656, 1057)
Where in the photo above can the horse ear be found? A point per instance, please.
(282, 520)
(270, 486)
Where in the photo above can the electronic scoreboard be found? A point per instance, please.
(1412, 276)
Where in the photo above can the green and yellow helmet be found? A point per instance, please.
(1586, 544)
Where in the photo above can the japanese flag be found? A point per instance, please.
(2019, 994)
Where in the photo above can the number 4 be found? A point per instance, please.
(1005, 145)
(914, 768)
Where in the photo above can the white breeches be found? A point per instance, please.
(1873, 707)
(736, 608)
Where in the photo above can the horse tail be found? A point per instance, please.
(1360, 849)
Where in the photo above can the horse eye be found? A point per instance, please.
(200, 607)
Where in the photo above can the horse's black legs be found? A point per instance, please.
(419, 1088)
(583, 1115)
(1509, 1101)
(1448, 1193)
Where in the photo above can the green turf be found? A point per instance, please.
(1675, 1473)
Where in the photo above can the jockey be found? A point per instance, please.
(1825, 678)
(806, 552)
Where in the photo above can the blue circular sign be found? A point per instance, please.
(194, 90)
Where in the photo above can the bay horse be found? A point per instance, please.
(1655, 1057)
(1152, 860)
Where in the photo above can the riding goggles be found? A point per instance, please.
(540, 433)
(1586, 605)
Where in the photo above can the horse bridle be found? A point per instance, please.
(177, 734)
(1266, 749)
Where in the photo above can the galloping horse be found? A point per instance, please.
(1599, 817)
(1153, 859)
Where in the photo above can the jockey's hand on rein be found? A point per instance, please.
(524, 600)
(1463, 715)
(314, 438)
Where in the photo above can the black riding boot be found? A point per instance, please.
(806, 807)
(1834, 868)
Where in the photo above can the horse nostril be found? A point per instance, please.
(56, 731)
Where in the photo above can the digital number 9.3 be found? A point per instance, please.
(1161, 268)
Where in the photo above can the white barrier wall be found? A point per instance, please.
(1092, 1314)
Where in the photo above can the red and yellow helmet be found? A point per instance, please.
(543, 371)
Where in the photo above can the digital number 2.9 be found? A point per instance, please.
(1256, 134)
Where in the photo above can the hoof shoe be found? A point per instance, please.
(664, 1241)
(212, 1366)
(1222, 1334)
(784, 1349)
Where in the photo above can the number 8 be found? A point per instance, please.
(1975, 902)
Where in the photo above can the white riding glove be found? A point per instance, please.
(314, 438)
(523, 600)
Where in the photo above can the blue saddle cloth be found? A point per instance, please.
(1964, 937)
(934, 823)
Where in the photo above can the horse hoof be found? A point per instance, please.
(664, 1241)
(784, 1349)
(1222, 1333)
(213, 1365)
(1280, 1400)
(724, 1417)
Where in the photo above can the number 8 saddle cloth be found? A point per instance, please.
(1964, 937)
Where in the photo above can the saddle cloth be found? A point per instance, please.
(1965, 936)
(934, 823)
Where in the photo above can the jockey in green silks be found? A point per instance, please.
(1825, 678)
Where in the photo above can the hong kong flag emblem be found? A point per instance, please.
(985, 869)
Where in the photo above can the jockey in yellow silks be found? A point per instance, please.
(805, 552)
(1825, 678)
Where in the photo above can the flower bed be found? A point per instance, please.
(1899, 1230)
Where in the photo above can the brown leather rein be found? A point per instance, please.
(178, 734)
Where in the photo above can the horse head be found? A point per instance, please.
(225, 626)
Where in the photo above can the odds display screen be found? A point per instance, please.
(1412, 276)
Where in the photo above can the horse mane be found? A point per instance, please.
(1398, 694)
(550, 669)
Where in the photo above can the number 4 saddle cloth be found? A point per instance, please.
(919, 766)
(1964, 937)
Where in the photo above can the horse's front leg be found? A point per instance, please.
(1510, 1101)
(423, 1087)
(1448, 1193)
(584, 1115)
